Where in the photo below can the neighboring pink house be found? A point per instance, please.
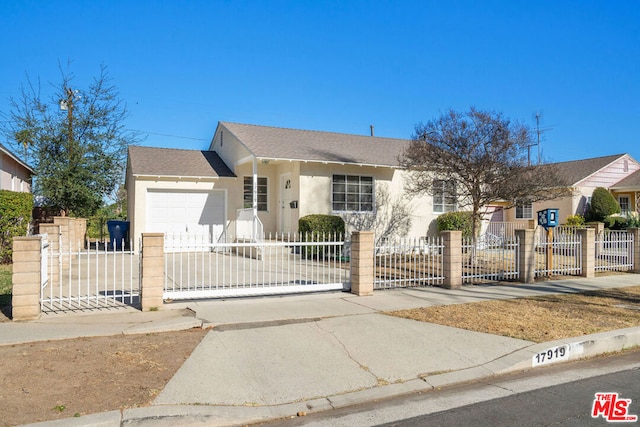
(618, 173)
(15, 175)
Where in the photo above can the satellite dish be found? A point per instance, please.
(63, 105)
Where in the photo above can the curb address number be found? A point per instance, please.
(551, 355)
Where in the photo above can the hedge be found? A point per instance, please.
(320, 228)
(15, 215)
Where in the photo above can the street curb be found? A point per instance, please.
(171, 415)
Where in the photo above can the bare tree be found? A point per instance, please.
(391, 219)
(479, 158)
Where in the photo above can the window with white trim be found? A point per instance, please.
(352, 193)
(262, 193)
(524, 211)
(444, 195)
(625, 204)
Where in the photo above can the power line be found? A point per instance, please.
(169, 135)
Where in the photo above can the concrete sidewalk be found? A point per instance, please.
(277, 356)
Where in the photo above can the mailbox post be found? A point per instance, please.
(548, 218)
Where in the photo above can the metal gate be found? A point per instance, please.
(405, 263)
(94, 277)
(276, 265)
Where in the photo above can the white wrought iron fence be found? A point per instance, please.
(93, 277)
(277, 265)
(409, 263)
(489, 259)
(561, 256)
(614, 251)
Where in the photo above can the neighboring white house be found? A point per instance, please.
(281, 174)
(15, 175)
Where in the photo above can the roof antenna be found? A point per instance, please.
(371, 126)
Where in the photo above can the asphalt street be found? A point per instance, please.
(561, 395)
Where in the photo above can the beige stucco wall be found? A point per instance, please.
(316, 185)
(229, 148)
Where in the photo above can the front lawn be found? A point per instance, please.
(540, 318)
(5, 284)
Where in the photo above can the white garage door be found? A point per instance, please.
(186, 212)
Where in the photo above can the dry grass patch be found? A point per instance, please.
(60, 379)
(542, 318)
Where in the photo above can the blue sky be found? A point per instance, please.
(343, 65)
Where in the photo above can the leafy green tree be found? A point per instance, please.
(602, 205)
(75, 140)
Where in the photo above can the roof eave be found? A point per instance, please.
(326, 162)
(625, 187)
(178, 177)
(16, 159)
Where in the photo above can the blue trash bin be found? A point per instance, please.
(118, 232)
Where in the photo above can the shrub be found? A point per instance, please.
(15, 215)
(633, 220)
(602, 205)
(575, 220)
(615, 222)
(456, 221)
(321, 224)
(320, 228)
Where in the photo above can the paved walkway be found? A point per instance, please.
(273, 357)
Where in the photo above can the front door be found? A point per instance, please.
(285, 203)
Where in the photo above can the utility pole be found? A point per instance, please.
(69, 105)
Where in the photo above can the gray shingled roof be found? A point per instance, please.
(174, 162)
(293, 144)
(631, 181)
(574, 171)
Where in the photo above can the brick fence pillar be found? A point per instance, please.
(527, 260)
(452, 259)
(588, 255)
(152, 271)
(635, 232)
(27, 270)
(362, 263)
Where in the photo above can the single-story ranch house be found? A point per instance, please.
(284, 174)
(290, 173)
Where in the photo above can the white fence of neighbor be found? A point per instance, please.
(614, 251)
(277, 265)
(503, 230)
(406, 263)
(561, 257)
(93, 277)
(489, 259)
